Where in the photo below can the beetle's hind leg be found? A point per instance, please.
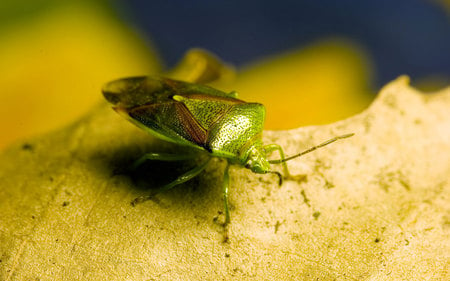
(161, 157)
(179, 180)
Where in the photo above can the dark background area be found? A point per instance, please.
(401, 37)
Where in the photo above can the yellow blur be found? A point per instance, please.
(322, 83)
(52, 67)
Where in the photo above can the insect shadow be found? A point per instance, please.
(149, 176)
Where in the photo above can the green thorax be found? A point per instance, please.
(236, 132)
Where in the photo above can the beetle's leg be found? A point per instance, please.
(275, 147)
(161, 157)
(181, 179)
(226, 184)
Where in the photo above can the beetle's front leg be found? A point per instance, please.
(275, 147)
(181, 179)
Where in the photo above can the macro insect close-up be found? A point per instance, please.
(225, 140)
(203, 118)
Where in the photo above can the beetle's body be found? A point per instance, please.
(190, 114)
(200, 117)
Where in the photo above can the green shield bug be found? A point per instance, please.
(202, 118)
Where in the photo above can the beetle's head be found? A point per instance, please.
(257, 161)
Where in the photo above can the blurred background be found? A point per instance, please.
(310, 62)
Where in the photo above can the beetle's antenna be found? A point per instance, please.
(279, 161)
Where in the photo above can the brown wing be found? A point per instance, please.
(171, 121)
(207, 109)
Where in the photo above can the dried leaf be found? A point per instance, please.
(372, 207)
